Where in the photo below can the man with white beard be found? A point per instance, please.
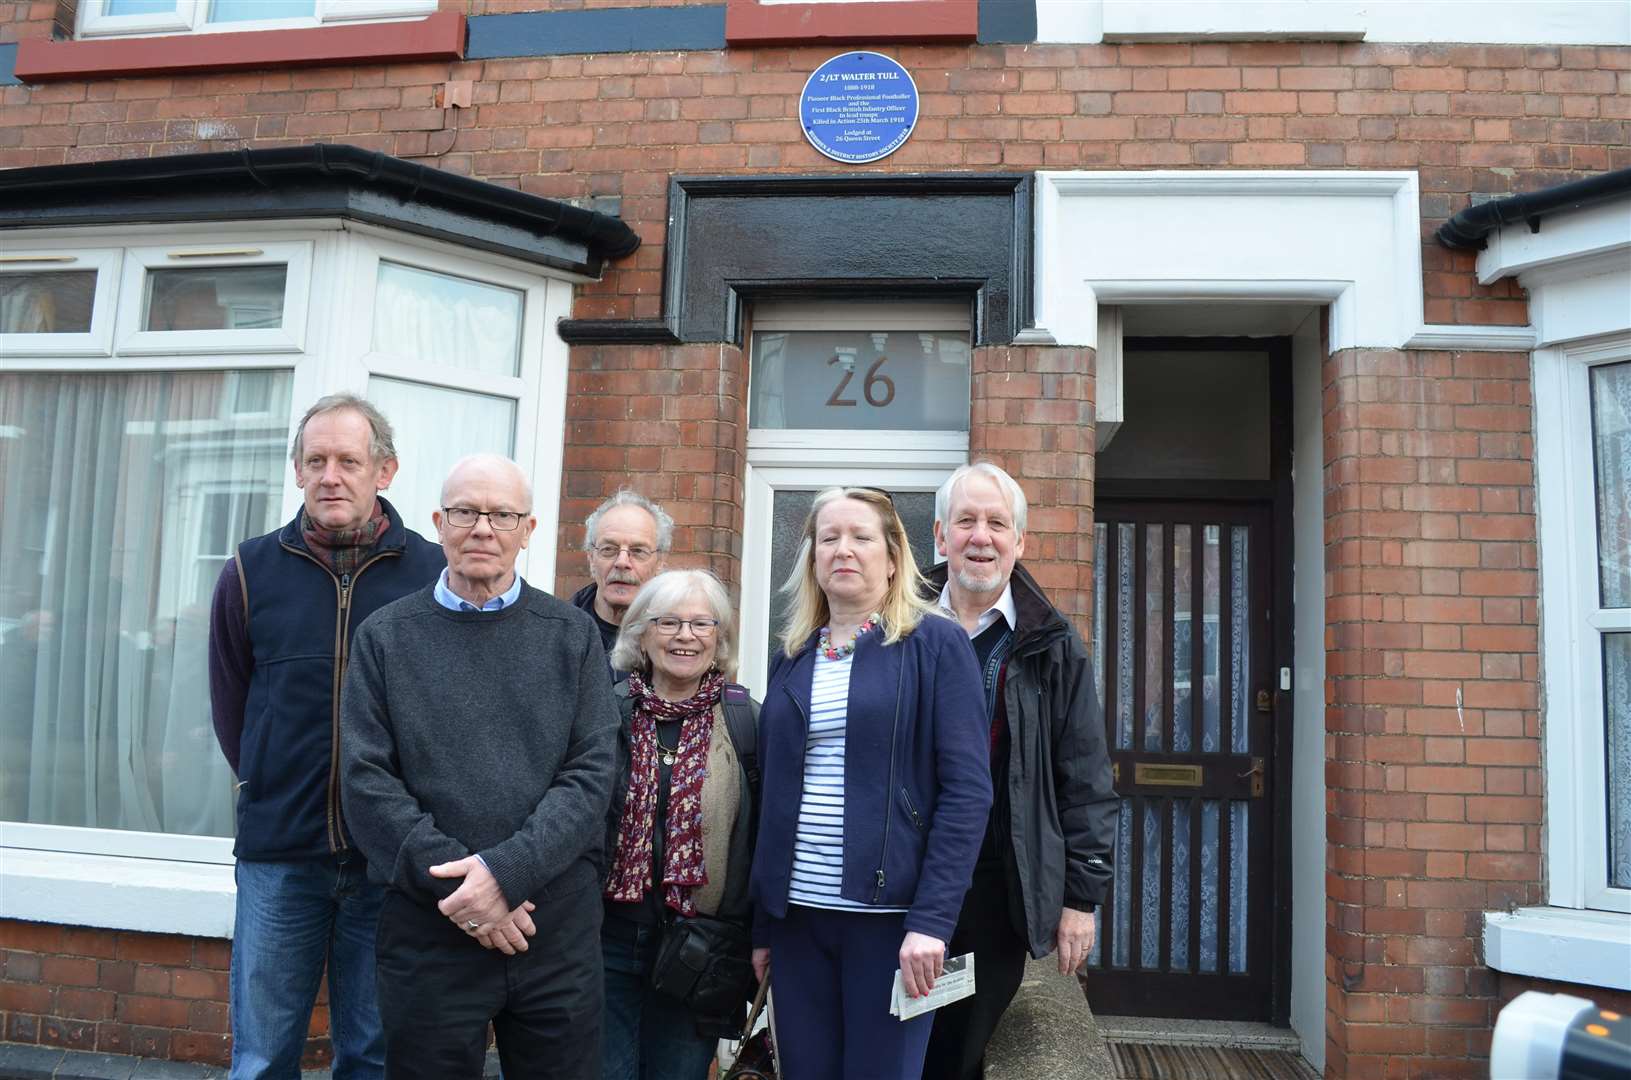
(1030, 892)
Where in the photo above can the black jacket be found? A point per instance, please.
(1062, 808)
(584, 600)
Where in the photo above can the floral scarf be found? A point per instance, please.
(682, 861)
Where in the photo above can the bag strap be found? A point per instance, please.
(742, 724)
(758, 1007)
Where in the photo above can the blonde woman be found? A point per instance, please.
(875, 754)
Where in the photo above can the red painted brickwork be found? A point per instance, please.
(1434, 794)
(670, 422)
(122, 992)
(1033, 415)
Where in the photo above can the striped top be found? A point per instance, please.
(818, 847)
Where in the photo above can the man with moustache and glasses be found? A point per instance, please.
(627, 538)
(1044, 865)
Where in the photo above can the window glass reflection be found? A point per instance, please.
(252, 10)
(47, 302)
(448, 321)
(216, 298)
(860, 380)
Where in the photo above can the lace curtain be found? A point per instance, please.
(120, 496)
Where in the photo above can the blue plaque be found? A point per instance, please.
(858, 107)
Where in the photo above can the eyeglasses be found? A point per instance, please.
(878, 491)
(464, 517)
(668, 626)
(638, 552)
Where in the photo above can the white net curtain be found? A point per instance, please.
(113, 489)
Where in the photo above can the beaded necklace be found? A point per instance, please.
(831, 652)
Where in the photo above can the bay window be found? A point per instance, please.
(150, 381)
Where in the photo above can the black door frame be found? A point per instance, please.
(1277, 492)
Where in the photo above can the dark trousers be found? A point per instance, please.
(831, 974)
(438, 990)
(961, 1029)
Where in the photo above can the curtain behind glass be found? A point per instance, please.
(435, 427)
(104, 694)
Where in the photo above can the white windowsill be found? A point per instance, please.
(117, 893)
(1592, 948)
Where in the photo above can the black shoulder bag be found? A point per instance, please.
(705, 962)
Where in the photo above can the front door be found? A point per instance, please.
(1182, 651)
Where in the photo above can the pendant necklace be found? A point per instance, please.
(668, 754)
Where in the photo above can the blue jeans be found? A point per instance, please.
(646, 1036)
(292, 919)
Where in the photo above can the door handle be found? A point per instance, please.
(1256, 775)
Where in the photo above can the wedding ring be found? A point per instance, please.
(472, 925)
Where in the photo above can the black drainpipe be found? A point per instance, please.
(1468, 228)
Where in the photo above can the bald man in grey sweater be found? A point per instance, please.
(477, 735)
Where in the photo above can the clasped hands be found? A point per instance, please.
(479, 900)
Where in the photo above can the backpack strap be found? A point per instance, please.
(742, 724)
(243, 583)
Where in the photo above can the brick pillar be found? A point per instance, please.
(669, 422)
(1432, 729)
(1033, 416)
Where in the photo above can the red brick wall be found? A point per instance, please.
(121, 992)
(1486, 119)
(1033, 415)
(670, 422)
(1434, 793)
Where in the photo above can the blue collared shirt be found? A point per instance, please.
(454, 602)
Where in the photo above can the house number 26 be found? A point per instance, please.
(877, 388)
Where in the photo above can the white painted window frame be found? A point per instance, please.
(537, 409)
(799, 459)
(1583, 935)
(1573, 622)
(173, 883)
(192, 17)
(98, 340)
(131, 340)
(1556, 22)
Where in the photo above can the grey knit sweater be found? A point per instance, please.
(490, 733)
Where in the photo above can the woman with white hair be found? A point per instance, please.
(876, 764)
(680, 834)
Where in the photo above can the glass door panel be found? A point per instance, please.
(1180, 649)
(789, 509)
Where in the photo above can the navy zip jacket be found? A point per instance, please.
(917, 776)
(280, 633)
